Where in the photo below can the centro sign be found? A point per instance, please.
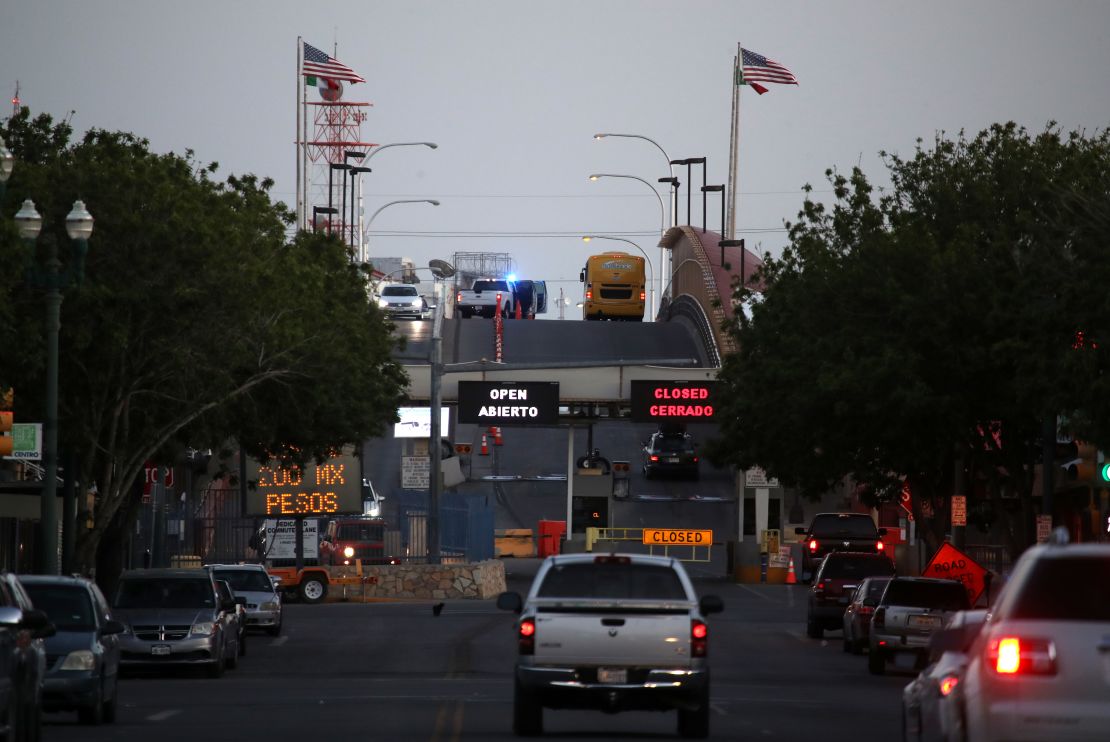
(673, 401)
(509, 402)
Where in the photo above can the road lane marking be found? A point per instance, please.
(163, 715)
(717, 708)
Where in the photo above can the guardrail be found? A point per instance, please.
(626, 537)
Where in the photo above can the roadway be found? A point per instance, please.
(394, 671)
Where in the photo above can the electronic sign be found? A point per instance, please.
(416, 422)
(509, 402)
(673, 401)
(287, 489)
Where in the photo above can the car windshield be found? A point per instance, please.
(164, 593)
(858, 526)
(947, 596)
(854, 568)
(68, 607)
(617, 581)
(1067, 589)
(399, 291)
(246, 580)
(673, 445)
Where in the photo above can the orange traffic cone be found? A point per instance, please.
(518, 310)
(791, 578)
(485, 448)
(496, 435)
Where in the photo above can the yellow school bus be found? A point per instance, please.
(614, 287)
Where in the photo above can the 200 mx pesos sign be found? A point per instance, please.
(330, 488)
(673, 401)
(509, 402)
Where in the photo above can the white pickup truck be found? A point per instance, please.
(481, 298)
(611, 632)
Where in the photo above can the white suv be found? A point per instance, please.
(1040, 669)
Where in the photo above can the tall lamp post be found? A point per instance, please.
(79, 226)
(356, 234)
(383, 207)
(651, 270)
(599, 137)
(365, 162)
(442, 270)
(662, 213)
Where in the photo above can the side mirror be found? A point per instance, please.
(799, 531)
(710, 604)
(240, 600)
(38, 623)
(582, 276)
(10, 617)
(510, 601)
(112, 626)
(275, 580)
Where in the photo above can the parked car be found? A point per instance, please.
(857, 616)
(176, 617)
(613, 632)
(253, 582)
(837, 532)
(226, 593)
(932, 703)
(837, 578)
(1040, 669)
(82, 657)
(670, 454)
(22, 661)
(911, 609)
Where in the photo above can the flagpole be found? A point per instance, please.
(734, 143)
(297, 136)
(305, 179)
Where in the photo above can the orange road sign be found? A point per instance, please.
(677, 537)
(952, 564)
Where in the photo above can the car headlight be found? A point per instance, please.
(349, 551)
(82, 659)
(382, 302)
(204, 628)
(269, 606)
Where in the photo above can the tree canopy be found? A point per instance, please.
(940, 321)
(198, 321)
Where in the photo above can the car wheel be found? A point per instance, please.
(93, 714)
(814, 630)
(527, 713)
(313, 590)
(694, 724)
(876, 662)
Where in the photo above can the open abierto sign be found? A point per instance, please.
(952, 564)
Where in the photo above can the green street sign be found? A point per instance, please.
(26, 441)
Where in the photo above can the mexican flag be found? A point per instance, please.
(324, 83)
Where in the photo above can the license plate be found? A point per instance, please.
(612, 675)
(672, 460)
(160, 650)
(925, 622)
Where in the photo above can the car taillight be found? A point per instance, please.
(813, 544)
(879, 620)
(695, 459)
(458, 298)
(819, 587)
(879, 546)
(699, 638)
(1013, 655)
(589, 293)
(654, 457)
(642, 295)
(866, 610)
(526, 641)
(948, 684)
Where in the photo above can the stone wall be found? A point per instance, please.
(482, 580)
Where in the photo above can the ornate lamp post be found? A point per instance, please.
(79, 226)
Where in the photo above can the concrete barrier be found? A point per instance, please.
(481, 580)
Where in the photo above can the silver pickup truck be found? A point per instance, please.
(613, 632)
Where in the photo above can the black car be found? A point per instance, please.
(82, 658)
(841, 572)
(22, 661)
(670, 454)
(837, 532)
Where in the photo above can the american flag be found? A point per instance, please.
(756, 68)
(318, 64)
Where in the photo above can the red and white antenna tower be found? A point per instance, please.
(335, 147)
(15, 100)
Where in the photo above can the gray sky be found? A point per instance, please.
(513, 91)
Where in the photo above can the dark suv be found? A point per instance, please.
(837, 532)
(840, 573)
(670, 453)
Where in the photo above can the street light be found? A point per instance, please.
(356, 170)
(432, 201)
(317, 210)
(662, 212)
(599, 137)
(740, 244)
(331, 189)
(651, 270)
(715, 189)
(79, 226)
(429, 145)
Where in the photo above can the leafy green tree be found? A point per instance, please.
(198, 322)
(899, 329)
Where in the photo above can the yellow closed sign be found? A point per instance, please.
(677, 537)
